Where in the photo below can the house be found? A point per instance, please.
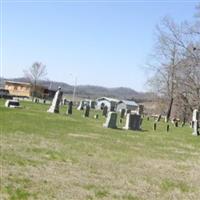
(18, 88)
(24, 89)
(127, 105)
(111, 103)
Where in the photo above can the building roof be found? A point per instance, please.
(16, 82)
(108, 99)
(130, 103)
(29, 84)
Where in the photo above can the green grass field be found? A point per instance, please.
(54, 156)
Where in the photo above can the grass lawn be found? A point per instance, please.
(54, 156)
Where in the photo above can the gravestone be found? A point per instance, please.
(96, 116)
(54, 108)
(154, 126)
(166, 120)
(140, 109)
(183, 122)
(159, 118)
(92, 104)
(36, 100)
(175, 122)
(195, 118)
(69, 109)
(12, 104)
(81, 105)
(167, 127)
(111, 120)
(112, 106)
(191, 124)
(105, 111)
(64, 101)
(195, 115)
(127, 112)
(122, 113)
(87, 111)
(133, 122)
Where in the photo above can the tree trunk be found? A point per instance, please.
(34, 91)
(169, 109)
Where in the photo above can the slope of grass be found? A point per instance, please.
(54, 156)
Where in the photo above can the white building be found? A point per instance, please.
(127, 105)
(91, 103)
(106, 101)
(85, 102)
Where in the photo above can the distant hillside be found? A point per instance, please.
(103, 91)
(90, 91)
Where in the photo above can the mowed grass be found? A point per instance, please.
(54, 156)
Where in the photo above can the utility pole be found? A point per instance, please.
(74, 92)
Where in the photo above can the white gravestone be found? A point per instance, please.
(133, 122)
(195, 118)
(54, 108)
(12, 104)
(81, 105)
(111, 120)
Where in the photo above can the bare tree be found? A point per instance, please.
(166, 63)
(34, 74)
(177, 64)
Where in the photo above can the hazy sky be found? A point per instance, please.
(103, 43)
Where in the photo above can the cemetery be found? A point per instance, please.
(99, 101)
(101, 154)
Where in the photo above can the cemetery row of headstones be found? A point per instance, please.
(133, 119)
(195, 123)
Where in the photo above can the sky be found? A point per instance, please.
(105, 43)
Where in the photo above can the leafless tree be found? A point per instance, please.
(34, 74)
(165, 63)
(177, 64)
